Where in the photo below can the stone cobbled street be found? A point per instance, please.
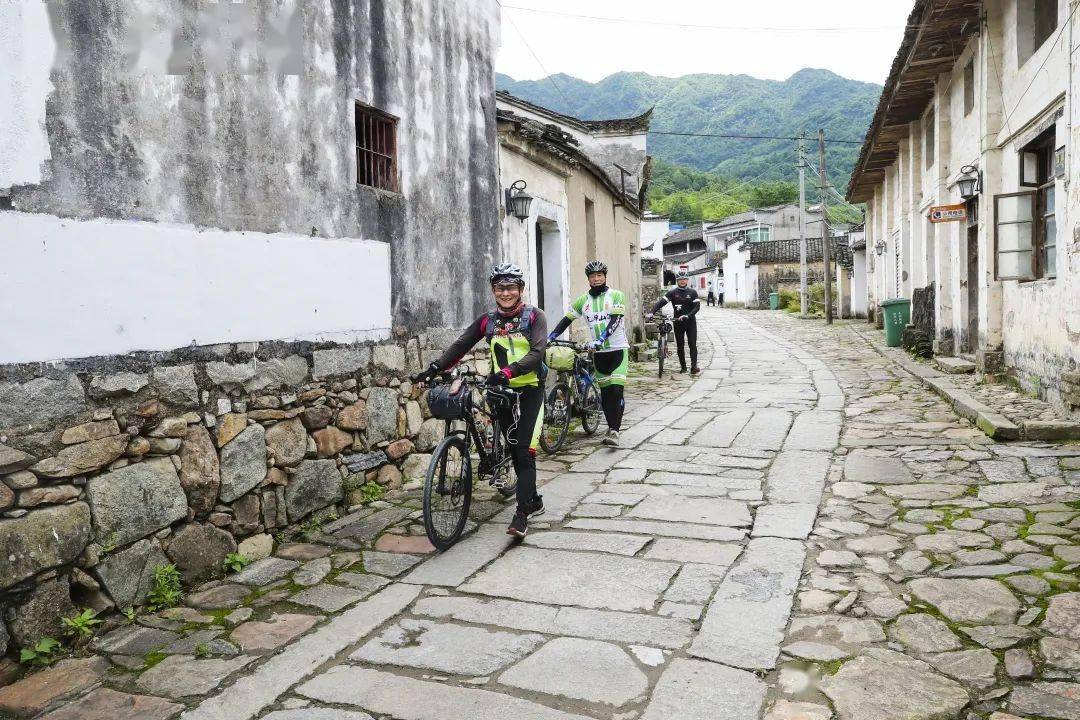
(802, 532)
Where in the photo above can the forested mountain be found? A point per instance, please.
(727, 105)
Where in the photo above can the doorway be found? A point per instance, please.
(550, 267)
(971, 339)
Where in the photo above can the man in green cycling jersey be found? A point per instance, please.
(517, 336)
(604, 309)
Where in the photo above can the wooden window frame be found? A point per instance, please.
(1032, 250)
(969, 87)
(929, 139)
(1044, 242)
(376, 148)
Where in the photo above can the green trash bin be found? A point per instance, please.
(897, 315)
(774, 301)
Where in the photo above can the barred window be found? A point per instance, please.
(376, 148)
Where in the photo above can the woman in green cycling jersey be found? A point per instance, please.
(604, 309)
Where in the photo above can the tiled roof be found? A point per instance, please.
(692, 232)
(684, 257)
(778, 252)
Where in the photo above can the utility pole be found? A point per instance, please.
(803, 301)
(825, 249)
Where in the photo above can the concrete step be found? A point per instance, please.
(954, 365)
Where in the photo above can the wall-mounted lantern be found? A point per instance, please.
(518, 201)
(970, 182)
(879, 248)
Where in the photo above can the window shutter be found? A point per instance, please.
(1014, 236)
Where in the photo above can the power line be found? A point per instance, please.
(550, 77)
(698, 26)
(743, 137)
(1035, 74)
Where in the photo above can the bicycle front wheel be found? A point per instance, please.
(590, 409)
(447, 492)
(661, 353)
(556, 418)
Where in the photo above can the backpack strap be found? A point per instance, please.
(528, 314)
(487, 325)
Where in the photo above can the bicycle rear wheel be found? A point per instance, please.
(447, 492)
(590, 409)
(556, 418)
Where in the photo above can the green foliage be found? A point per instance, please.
(202, 650)
(789, 300)
(372, 491)
(686, 195)
(235, 562)
(82, 625)
(311, 528)
(45, 652)
(165, 591)
(129, 614)
(815, 300)
(725, 105)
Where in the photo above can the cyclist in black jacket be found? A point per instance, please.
(684, 299)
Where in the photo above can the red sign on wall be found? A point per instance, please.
(948, 213)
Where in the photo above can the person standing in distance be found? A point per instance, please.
(720, 291)
(604, 309)
(712, 295)
(516, 334)
(684, 299)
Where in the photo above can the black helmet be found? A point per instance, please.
(506, 271)
(595, 266)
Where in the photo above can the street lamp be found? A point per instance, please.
(879, 248)
(970, 182)
(518, 201)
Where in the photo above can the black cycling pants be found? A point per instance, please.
(523, 439)
(687, 329)
(611, 399)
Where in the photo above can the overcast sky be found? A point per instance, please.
(763, 38)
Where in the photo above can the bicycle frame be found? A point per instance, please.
(498, 456)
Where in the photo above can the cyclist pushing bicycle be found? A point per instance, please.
(517, 335)
(604, 309)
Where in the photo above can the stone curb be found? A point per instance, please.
(994, 424)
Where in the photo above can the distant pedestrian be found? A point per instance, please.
(720, 289)
(712, 295)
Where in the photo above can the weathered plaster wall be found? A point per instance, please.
(26, 54)
(103, 287)
(261, 138)
(546, 183)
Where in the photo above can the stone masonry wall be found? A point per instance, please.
(111, 467)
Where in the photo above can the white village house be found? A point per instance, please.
(978, 113)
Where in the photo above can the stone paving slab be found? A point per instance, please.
(704, 511)
(252, 693)
(697, 690)
(408, 699)
(621, 627)
(446, 647)
(660, 529)
(785, 520)
(745, 623)
(454, 566)
(569, 578)
(797, 476)
(580, 669)
(596, 542)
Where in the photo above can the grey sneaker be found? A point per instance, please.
(612, 438)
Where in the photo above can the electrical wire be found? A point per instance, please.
(550, 77)
(742, 137)
(1035, 74)
(700, 26)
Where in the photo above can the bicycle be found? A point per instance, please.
(448, 484)
(574, 393)
(663, 330)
